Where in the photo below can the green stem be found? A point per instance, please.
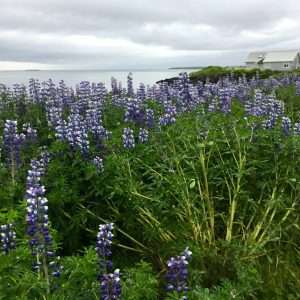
(13, 167)
(240, 162)
(118, 229)
(45, 271)
(209, 200)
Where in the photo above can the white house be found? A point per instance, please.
(274, 60)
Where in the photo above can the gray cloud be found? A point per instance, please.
(138, 33)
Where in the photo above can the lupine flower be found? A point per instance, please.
(31, 134)
(55, 267)
(84, 94)
(286, 79)
(128, 138)
(7, 238)
(12, 143)
(165, 120)
(110, 283)
(186, 96)
(99, 93)
(53, 103)
(267, 124)
(61, 130)
(151, 91)
(111, 286)
(170, 108)
(103, 243)
(165, 91)
(20, 94)
(114, 86)
(63, 94)
(141, 93)
(34, 90)
(37, 214)
(297, 128)
(37, 217)
(55, 110)
(143, 135)
(213, 105)
(130, 91)
(149, 118)
(77, 133)
(98, 162)
(177, 272)
(133, 111)
(120, 86)
(224, 96)
(286, 125)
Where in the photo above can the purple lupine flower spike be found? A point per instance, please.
(128, 138)
(37, 214)
(177, 273)
(111, 286)
(143, 135)
(98, 162)
(286, 125)
(7, 238)
(297, 128)
(12, 144)
(103, 246)
(130, 91)
(110, 283)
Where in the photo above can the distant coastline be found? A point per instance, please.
(186, 68)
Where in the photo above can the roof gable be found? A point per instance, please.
(255, 57)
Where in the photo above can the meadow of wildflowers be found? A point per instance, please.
(102, 189)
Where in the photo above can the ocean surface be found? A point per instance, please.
(72, 78)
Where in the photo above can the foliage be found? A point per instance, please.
(218, 173)
(140, 282)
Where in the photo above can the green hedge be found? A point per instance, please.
(215, 72)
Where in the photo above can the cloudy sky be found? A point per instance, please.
(114, 34)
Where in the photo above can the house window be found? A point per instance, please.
(285, 65)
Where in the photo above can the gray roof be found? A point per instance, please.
(255, 57)
(280, 56)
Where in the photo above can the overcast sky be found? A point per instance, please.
(114, 34)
